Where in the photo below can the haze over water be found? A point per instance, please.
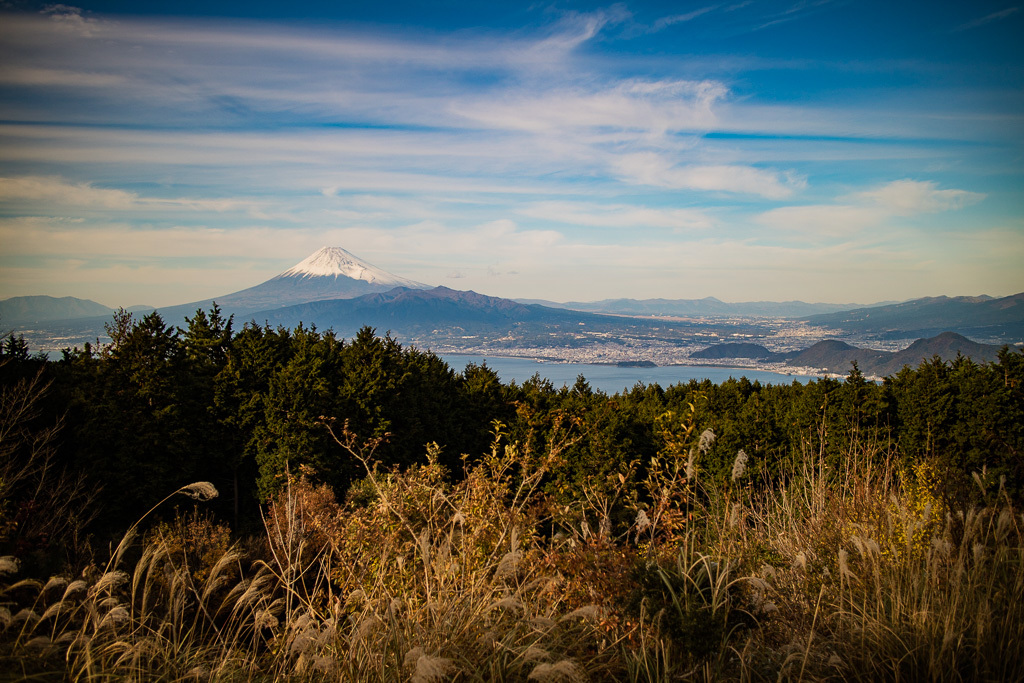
(612, 379)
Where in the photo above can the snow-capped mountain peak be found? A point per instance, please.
(336, 262)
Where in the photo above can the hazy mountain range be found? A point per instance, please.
(836, 356)
(332, 288)
(699, 308)
(975, 315)
(22, 310)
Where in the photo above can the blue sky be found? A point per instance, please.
(821, 150)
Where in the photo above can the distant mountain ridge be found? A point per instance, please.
(975, 315)
(837, 356)
(706, 307)
(22, 310)
(420, 311)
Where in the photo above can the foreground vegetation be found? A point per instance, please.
(834, 530)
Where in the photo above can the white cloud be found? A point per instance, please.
(833, 220)
(907, 197)
(665, 22)
(38, 76)
(640, 107)
(51, 192)
(56, 191)
(618, 215)
(869, 209)
(649, 168)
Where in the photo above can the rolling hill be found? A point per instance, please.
(981, 316)
(836, 356)
(25, 310)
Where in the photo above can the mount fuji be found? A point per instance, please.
(329, 273)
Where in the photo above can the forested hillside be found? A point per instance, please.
(650, 486)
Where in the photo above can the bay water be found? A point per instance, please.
(612, 379)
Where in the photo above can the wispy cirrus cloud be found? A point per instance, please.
(638, 106)
(55, 193)
(987, 19)
(664, 22)
(649, 168)
(618, 216)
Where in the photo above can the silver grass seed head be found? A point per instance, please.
(536, 653)
(76, 586)
(198, 673)
(800, 561)
(564, 670)
(508, 603)
(356, 599)
(53, 610)
(324, 665)
(65, 638)
(117, 615)
(430, 669)
(509, 564)
(542, 623)
(303, 641)
(26, 615)
(707, 437)
(8, 565)
(412, 656)
(365, 627)
(844, 565)
(55, 583)
(200, 490)
(110, 581)
(41, 644)
(642, 520)
(266, 620)
(734, 515)
(739, 465)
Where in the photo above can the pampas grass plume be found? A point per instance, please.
(200, 490)
(428, 668)
(707, 438)
(739, 465)
(8, 564)
(76, 586)
(565, 670)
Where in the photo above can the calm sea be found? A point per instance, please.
(610, 378)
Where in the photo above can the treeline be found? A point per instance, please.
(159, 407)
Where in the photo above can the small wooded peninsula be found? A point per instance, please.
(211, 502)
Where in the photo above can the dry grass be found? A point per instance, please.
(851, 575)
